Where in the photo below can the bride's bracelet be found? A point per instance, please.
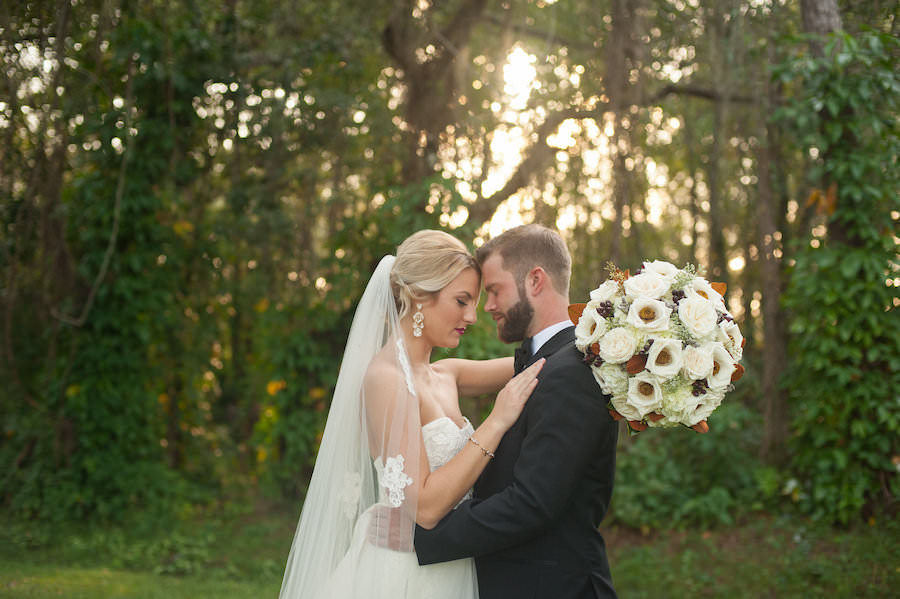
(484, 450)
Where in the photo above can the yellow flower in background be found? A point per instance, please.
(262, 305)
(317, 393)
(274, 387)
(183, 227)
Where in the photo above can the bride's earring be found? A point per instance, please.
(418, 321)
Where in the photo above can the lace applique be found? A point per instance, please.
(394, 480)
(404, 364)
(349, 495)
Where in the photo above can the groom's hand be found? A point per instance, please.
(391, 528)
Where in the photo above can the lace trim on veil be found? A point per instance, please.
(405, 366)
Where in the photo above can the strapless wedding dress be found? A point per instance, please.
(397, 574)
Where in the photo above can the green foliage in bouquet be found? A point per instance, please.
(844, 371)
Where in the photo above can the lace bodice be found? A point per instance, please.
(443, 440)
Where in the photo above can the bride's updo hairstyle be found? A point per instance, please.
(427, 261)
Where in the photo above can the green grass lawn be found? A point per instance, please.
(242, 556)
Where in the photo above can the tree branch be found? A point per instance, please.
(535, 160)
(698, 92)
(117, 210)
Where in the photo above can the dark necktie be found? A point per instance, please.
(523, 352)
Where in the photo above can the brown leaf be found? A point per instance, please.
(701, 427)
(575, 311)
(637, 425)
(719, 287)
(655, 417)
(615, 415)
(636, 364)
(738, 373)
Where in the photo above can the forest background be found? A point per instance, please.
(193, 194)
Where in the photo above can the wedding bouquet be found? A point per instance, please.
(661, 343)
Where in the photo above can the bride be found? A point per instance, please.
(396, 449)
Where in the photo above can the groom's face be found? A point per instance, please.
(506, 300)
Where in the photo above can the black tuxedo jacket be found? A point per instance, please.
(532, 523)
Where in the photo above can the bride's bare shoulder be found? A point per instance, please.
(383, 370)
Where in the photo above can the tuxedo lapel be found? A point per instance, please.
(554, 344)
(498, 474)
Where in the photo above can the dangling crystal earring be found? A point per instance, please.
(418, 321)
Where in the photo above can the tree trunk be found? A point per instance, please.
(820, 16)
(775, 413)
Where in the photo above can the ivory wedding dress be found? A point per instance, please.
(397, 574)
(355, 536)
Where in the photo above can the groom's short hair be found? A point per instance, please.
(524, 247)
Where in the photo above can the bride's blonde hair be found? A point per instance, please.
(427, 261)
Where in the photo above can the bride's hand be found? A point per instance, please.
(514, 394)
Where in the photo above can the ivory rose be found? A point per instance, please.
(696, 362)
(731, 337)
(664, 358)
(646, 284)
(698, 316)
(664, 269)
(617, 345)
(590, 328)
(644, 393)
(723, 367)
(605, 292)
(648, 315)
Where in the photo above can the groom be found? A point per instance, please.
(532, 524)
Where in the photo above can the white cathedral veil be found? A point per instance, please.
(369, 454)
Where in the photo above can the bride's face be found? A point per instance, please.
(452, 310)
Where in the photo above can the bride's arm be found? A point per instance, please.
(439, 491)
(474, 377)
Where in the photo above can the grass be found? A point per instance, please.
(240, 554)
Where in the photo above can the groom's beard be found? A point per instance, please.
(516, 321)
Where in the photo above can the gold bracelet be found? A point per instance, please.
(485, 451)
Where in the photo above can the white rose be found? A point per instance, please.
(605, 292)
(731, 337)
(698, 316)
(700, 287)
(706, 405)
(664, 269)
(644, 393)
(664, 357)
(627, 411)
(723, 366)
(589, 329)
(648, 315)
(697, 362)
(612, 378)
(646, 284)
(617, 345)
